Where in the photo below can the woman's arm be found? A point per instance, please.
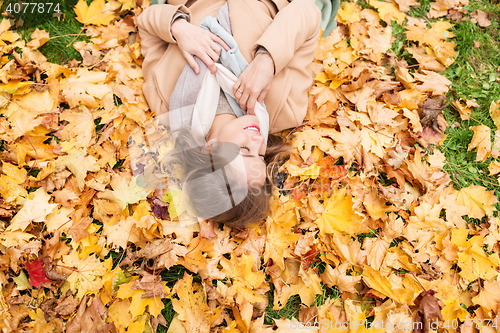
(293, 26)
(157, 32)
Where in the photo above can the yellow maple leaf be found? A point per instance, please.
(191, 307)
(478, 199)
(35, 209)
(305, 140)
(59, 220)
(489, 296)
(118, 234)
(432, 82)
(86, 88)
(127, 4)
(79, 163)
(10, 187)
(93, 14)
(339, 216)
(139, 302)
(80, 127)
(495, 112)
(194, 259)
(337, 277)
(481, 141)
(279, 234)
(388, 11)
(14, 238)
(16, 87)
(349, 12)
(38, 38)
(88, 272)
(403, 293)
(120, 315)
(475, 263)
(127, 192)
(242, 270)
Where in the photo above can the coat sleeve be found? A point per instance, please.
(295, 24)
(154, 26)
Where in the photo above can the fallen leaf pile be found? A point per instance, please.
(365, 212)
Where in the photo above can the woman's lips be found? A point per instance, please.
(253, 127)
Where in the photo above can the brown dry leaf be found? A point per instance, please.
(431, 109)
(429, 311)
(90, 319)
(481, 141)
(480, 17)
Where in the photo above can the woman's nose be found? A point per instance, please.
(257, 138)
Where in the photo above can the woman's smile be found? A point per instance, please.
(252, 127)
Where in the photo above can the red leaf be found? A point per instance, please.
(36, 273)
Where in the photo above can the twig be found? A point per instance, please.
(83, 28)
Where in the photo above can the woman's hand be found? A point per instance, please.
(196, 41)
(255, 81)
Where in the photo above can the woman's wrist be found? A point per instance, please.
(266, 58)
(176, 26)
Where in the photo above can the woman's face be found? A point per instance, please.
(245, 132)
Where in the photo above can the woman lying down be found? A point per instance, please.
(223, 76)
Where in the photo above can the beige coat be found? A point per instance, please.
(290, 35)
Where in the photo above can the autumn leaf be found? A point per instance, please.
(480, 17)
(429, 311)
(35, 209)
(79, 163)
(191, 306)
(388, 11)
(279, 235)
(339, 215)
(481, 142)
(10, 182)
(36, 273)
(242, 270)
(93, 14)
(489, 296)
(495, 112)
(86, 274)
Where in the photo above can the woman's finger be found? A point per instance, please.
(190, 60)
(221, 42)
(209, 62)
(216, 47)
(243, 100)
(213, 55)
(237, 91)
(262, 96)
(251, 103)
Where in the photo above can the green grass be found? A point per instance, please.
(474, 75)
(63, 29)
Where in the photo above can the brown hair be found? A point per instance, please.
(205, 189)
